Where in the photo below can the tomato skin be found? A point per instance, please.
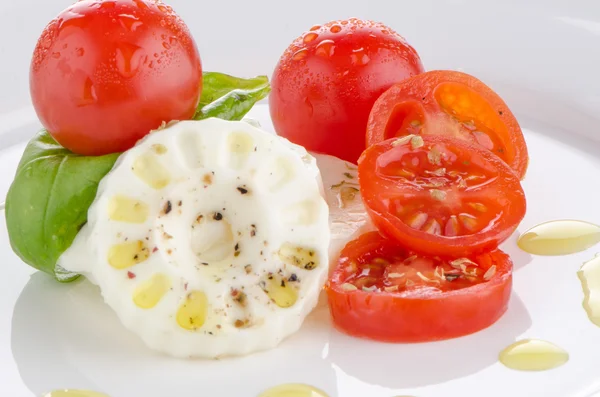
(430, 103)
(328, 79)
(105, 73)
(505, 205)
(420, 316)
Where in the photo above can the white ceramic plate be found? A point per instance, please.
(542, 56)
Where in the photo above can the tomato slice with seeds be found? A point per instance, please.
(382, 291)
(454, 104)
(440, 195)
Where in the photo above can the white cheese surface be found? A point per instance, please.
(208, 238)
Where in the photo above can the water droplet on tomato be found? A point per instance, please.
(151, 64)
(316, 27)
(79, 52)
(141, 4)
(359, 58)
(56, 55)
(89, 93)
(46, 41)
(325, 49)
(71, 18)
(385, 31)
(166, 45)
(156, 55)
(107, 4)
(310, 37)
(163, 23)
(65, 46)
(128, 59)
(533, 355)
(162, 8)
(344, 22)
(309, 106)
(129, 22)
(300, 54)
(335, 29)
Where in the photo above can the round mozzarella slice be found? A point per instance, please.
(208, 238)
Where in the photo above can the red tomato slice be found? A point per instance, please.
(453, 104)
(440, 195)
(381, 291)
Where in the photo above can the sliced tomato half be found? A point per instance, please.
(440, 195)
(380, 290)
(451, 103)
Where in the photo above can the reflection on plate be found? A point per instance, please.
(65, 336)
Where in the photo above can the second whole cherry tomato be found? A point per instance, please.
(328, 79)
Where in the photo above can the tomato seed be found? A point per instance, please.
(451, 229)
(417, 220)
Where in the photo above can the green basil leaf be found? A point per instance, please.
(48, 200)
(229, 97)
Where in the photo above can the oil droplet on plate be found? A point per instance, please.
(589, 275)
(561, 237)
(293, 390)
(75, 393)
(533, 355)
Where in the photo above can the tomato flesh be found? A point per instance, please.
(326, 82)
(105, 73)
(440, 195)
(382, 291)
(452, 104)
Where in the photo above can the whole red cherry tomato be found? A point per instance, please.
(105, 73)
(328, 79)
